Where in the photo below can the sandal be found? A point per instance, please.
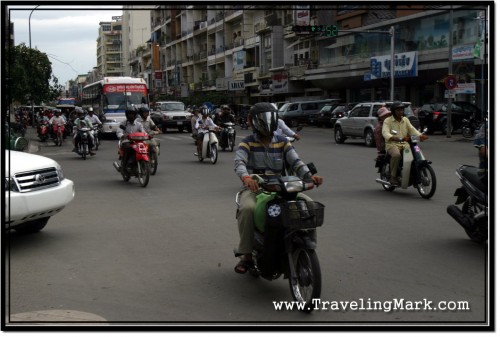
(243, 266)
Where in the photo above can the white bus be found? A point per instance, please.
(110, 97)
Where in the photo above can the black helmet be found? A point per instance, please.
(397, 105)
(264, 118)
(131, 113)
(144, 112)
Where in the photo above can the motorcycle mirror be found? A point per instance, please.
(424, 131)
(394, 132)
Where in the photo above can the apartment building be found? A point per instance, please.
(252, 53)
(109, 48)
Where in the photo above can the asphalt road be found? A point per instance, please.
(163, 254)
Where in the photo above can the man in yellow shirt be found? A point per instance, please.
(397, 141)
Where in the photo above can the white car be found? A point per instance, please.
(35, 190)
(173, 115)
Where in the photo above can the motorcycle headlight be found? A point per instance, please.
(294, 186)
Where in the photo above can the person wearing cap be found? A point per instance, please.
(396, 141)
(382, 113)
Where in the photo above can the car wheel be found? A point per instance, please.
(369, 138)
(339, 136)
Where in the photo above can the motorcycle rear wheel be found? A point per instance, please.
(307, 285)
(427, 186)
(480, 232)
(143, 172)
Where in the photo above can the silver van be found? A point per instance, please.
(295, 113)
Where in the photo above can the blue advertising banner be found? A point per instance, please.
(405, 65)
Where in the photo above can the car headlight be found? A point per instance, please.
(60, 173)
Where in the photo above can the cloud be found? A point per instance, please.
(68, 37)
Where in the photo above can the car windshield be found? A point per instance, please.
(326, 108)
(284, 107)
(172, 106)
(339, 108)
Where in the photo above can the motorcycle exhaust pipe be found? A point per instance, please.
(382, 181)
(117, 166)
(459, 217)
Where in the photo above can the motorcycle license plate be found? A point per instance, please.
(179, 123)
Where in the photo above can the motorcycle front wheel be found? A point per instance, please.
(427, 186)
(385, 174)
(154, 162)
(143, 172)
(231, 143)
(307, 285)
(213, 153)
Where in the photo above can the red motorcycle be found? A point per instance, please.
(43, 130)
(138, 165)
(58, 132)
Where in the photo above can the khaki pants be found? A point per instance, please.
(244, 215)
(395, 153)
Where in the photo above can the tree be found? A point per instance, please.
(29, 72)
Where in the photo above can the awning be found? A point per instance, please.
(342, 41)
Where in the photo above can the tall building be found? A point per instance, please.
(254, 53)
(136, 32)
(109, 48)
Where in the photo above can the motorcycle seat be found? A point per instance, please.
(474, 176)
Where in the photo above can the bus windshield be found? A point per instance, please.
(118, 96)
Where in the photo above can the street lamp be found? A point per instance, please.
(32, 103)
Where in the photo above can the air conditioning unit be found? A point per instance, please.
(203, 24)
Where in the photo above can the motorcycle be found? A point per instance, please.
(138, 165)
(470, 126)
(473, 194)
(57, 133)
(414, 170)
(243, 122)
(285, 237)
(43, 130)
(83, 144)
(209, 146)
(230, 136)
(96, 131)
(154, 152)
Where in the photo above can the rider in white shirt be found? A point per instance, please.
(201, 126)
(283, 129)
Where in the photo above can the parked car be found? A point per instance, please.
(362, 120)
(329, 114)
(295, 113)
(434, 116)
(173, 115)
(35, 190)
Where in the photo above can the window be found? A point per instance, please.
(355, 112)
(364, 112)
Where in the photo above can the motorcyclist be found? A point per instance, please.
(224, 117)
(56, 119)
(481, 143)
(93, 118)
(283, 129)
(202, 124)
(262, 152)
(82, 122)
(128, 126)
(148, 125)
(394, 141)
(194, 118)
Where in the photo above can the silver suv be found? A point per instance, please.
(362, 120)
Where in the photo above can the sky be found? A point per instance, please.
(66, 34)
